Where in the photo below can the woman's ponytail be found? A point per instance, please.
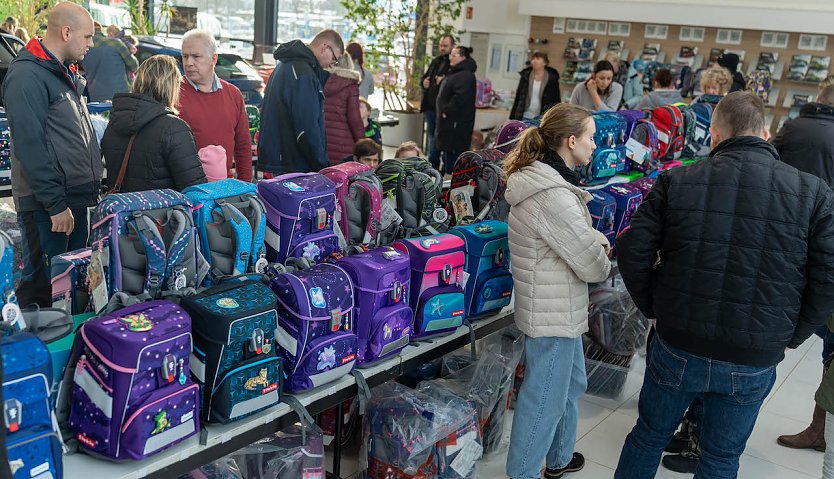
(557, 125)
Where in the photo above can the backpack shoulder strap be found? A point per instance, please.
(154, 250)
(242, 235)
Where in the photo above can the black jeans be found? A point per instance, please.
(40, 245)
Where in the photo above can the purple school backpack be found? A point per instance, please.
(436, 283)
(644, 184)
(132, 394)
(70, 288)
(628, 198)
(300, 217)
(315, 325)
(383, 318)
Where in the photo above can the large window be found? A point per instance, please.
(304, 18)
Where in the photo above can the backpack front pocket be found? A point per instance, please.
(492, 292)
(92, 408)
(439, 309)
(250, 387)
(390, 332)
(36, 455)
(325, 360)
(168, 416)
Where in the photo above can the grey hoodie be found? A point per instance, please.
(659, 98)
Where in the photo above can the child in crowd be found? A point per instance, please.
(714, 84)
(408, 149)
(477, 141)
(664, 91)
(367, 152)
(633, 90)
(213, 159)
(372, 128)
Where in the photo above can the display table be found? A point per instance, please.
(225, 439)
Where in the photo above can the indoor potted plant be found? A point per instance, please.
(398, 34)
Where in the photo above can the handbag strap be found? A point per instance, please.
(117, 187)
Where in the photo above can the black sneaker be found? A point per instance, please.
(680, 463)
(681, 438)
(576, 464)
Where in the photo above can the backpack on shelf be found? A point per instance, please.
(436, 283)
(489, 284)
(315, 325)
(631, 117)
(7, 267)
(145, 243)
(70, 285)
(670, 131)
(234, 360)
(628, 198)
(703, 121)
(603, 209)
(645, 133)
(301, 210)
(358, 202)
(33, 441)
(608, 158)
(690, 123)
(644, 184)
(478, 176)
(384, 320)
(132, 394)
(760, 82)
(231, 224)
(413, 189)
(484, 94)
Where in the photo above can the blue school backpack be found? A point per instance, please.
(6, 269)
(489, 283)
(32, 439)
(608, 159)
(231, 223)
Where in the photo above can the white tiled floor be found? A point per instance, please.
(604, 424)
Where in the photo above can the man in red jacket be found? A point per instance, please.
(212, 107)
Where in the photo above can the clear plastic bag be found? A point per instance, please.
(486, 383)
(288, 454)
(614, 321)
(404, 428)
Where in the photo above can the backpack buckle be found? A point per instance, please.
(169, 367)
(256, 344)
(154, 279)
(244, 256)
(499, 257)
(12, 410)
(397, 291)
(446, 274)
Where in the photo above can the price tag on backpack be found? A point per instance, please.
(637, 151)
(12, 315)
(469, 453)
(98, 283)
(465, 279)
(389, 214)
(462, 202)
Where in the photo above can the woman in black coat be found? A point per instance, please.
(538, 89)
(456, 107)
(164, 154)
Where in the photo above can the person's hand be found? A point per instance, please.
(426, 83)
(133, 50)
(63, 222)
(591, 85)
(639, 75)
(443, 115)
(439, 79)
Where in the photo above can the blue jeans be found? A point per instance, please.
(449, 159)
(546, 412)
(40, 245)
(430, 118)
(732, 393)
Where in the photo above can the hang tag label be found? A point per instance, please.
(98, 283)
(637, 151)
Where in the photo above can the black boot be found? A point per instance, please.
(576, 464)
(687, 461)
(681, 438)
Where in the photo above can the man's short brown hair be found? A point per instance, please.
(332, 37)
(740, 113)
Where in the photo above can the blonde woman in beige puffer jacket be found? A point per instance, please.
(556, 253)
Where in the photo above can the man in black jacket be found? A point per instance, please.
(292, 136)
(438, 68)
(56, 162)
(807, 144)
(732, 256)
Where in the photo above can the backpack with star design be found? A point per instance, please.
(436, 296)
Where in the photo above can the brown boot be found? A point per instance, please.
(811, 438)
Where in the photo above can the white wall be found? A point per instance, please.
(804, 16)
(501, 20)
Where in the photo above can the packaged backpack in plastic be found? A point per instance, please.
(408, 434)
(486, 383)
(223, 468)
(291, 453)
(614, 321)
